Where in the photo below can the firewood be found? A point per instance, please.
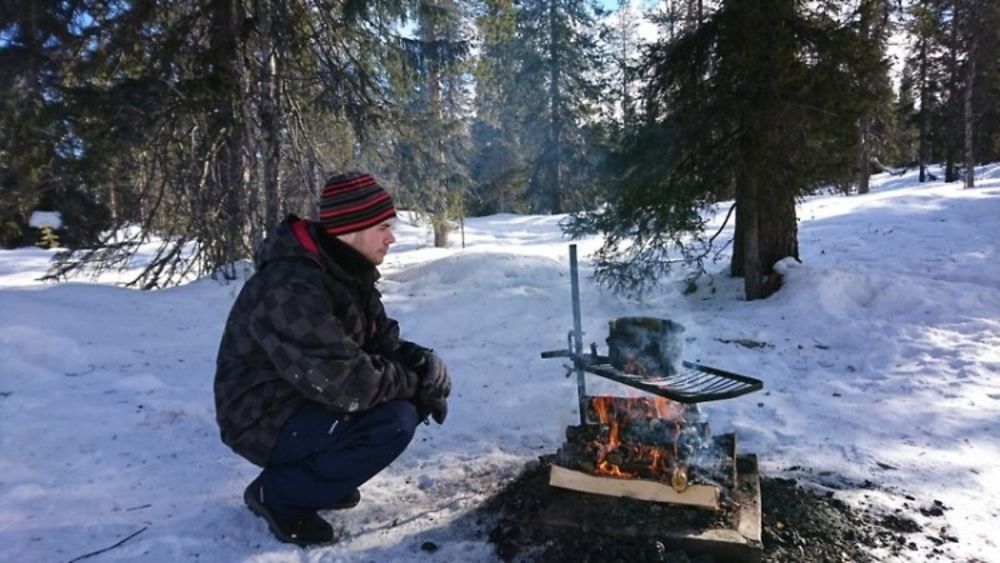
(648, 432)
(584, 433)
(662, 433)
(703, 496)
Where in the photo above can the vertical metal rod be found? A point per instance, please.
(581, 390)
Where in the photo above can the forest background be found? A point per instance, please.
(202, 123)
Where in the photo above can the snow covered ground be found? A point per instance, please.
(880, 359)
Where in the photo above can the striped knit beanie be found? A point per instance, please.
(353, 202)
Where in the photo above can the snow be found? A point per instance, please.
(42, 219)
(880, 358)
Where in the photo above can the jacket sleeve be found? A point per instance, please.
(309, 348)
(386, 340)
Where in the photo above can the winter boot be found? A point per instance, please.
(350, 500)
(303, 531)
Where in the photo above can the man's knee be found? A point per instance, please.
(389, 428)
(402, 415)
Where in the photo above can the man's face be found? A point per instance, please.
(373, 242)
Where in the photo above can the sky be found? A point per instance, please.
(879, 358)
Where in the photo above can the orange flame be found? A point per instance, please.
(616, 412)
(657, 461)
(604, 407)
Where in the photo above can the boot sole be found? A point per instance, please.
(261, 511)
(353, 501)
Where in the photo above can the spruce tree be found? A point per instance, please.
(220, 117)
(498, 166)
(559, 95)
(42, 162)
(874, 27)
(429, 151)
(739, 106)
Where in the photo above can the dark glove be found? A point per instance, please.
(437, 409)
(435, 386)
(413, 355)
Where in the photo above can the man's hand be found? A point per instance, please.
(436, 380)
(413, 355)
(438, 409)
(434, 388)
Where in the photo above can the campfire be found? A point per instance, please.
(652, 439)
(655, 446)
(647, 447)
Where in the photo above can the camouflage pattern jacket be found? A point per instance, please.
(308, 326)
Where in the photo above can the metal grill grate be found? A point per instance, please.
(694, 384)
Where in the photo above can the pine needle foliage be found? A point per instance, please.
(746, 105)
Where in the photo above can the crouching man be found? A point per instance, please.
(313, 383)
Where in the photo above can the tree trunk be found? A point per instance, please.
(748, 223)
(624, 29)
(766, 231)
(439, 204)
(925, 114)
(777, 232)
(970, 161)
(864, 154)
(113, 203)
(228, 180)
(270, 116)
(671, 11)
(555, 122)
(951, 143)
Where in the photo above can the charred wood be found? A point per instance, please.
(584, 433)
(644, 432)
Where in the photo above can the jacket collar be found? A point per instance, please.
(343, 256)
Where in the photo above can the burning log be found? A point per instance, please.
(648, 473)
(664, 433)
(584, 433)
(648, 432)
(583, 456)
(644, 462)
(703, 459)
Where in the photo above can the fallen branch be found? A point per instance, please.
(110, 547)
(745, 342)
(89, 369)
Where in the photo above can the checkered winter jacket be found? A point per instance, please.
(308, 326)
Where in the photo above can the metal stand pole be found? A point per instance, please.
(577, 344)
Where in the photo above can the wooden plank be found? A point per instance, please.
(702, 496)
(749, 525)
(738, 542)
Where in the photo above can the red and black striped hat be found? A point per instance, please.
(352, 202)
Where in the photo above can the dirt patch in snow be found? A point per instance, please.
(798, 524)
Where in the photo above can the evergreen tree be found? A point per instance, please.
(42, 162)
(954, 56)
(624, 44)
(430, 150)
(978, 25)
(873, 28)
(559, 96)
(224, 130)
(740, 105)
(986, 95)
(905, 142)
(498, 165)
